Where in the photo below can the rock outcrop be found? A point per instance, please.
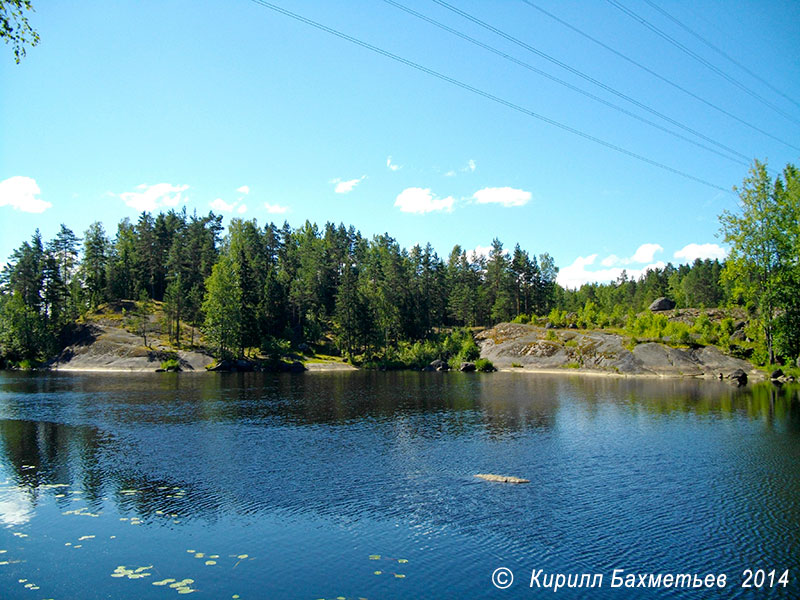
(535, 347)
(99, 347)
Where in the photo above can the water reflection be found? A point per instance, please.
(620, 468)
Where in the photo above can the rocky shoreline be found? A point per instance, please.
(520, 347)
(509, 346)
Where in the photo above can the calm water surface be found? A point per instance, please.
(361, 485)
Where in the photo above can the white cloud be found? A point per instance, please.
(421, 201)
(345, 187)
(275, 209)
(450, 174)
(391, 165)
(20, 193)
(645, 253)
(220, 205)
(242, 209)
(505, 195)
(151, 197)
(245, 189)
(611, 260)
(576, 274)
(691, 252)
(470, 166)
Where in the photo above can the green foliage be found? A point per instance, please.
(557, 317)
(171, 364)
(14, 26)
(484, 365)
(762, 269)
(264, 287)
(222, 308)
(516, 365)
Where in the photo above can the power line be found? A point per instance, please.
(721, 52)
(701, 60)
(574, 88)
(659, 76)
(484, 94)
(582, 75)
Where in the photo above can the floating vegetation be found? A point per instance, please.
(60, 495)
(210, 563)
(401, 561)
(20, 535)
(50, 486)
(164, 581)
(242, 556)
(182, 587)
(85, 537)
(133, 573)
(129, 492)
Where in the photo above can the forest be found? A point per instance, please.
(263, 289)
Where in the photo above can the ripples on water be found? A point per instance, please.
(322, 480)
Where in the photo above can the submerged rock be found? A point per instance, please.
(739, 376)
(501, 478)
(439, 365)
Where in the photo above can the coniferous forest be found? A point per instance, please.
(260, 288)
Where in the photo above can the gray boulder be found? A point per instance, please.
(439, 365)
(776, 374)
(739, 376)
(662, 304)
(467, 367)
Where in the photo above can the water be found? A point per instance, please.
(307, 486)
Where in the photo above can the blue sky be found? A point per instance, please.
(232, 107)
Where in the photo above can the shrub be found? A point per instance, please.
(484, 365)
(469, 350)
(516, 365)
(557, 317)
(171, 364)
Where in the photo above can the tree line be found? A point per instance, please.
(255, 289)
